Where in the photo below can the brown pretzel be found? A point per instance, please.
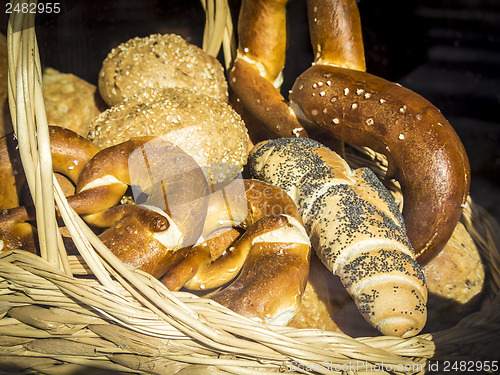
(424, 152)
(274, 248)
(336, 98)
(143, 237)
(102, 178)
(70, 153)
(335, 30)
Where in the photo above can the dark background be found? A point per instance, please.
(448, 51)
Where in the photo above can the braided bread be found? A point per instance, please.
(355, 228)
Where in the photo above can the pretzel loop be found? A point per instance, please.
(336, 99)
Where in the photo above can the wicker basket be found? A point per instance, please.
(123, 320)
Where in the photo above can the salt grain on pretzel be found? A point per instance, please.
(159, 61)
(336, 99)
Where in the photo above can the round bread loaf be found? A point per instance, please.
(207, 129)
(159, 61)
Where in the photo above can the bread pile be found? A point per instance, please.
(159, 127)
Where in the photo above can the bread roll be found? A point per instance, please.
(424, 152)
(70, 102)
(159, 61)
(266, 268)
(455, 278)
(355, 228)
(5, 120)
(207, 129)
(326, 305)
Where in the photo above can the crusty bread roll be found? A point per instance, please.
(355, 228)
(207, 129)
(159, 61)
(455, 279)
(70, 101)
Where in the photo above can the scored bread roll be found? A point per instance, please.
(5, 121)
(70, 101)
(159, 61)
(209, 130)
(355, 228)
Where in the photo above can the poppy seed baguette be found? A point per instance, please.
(355, 228)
